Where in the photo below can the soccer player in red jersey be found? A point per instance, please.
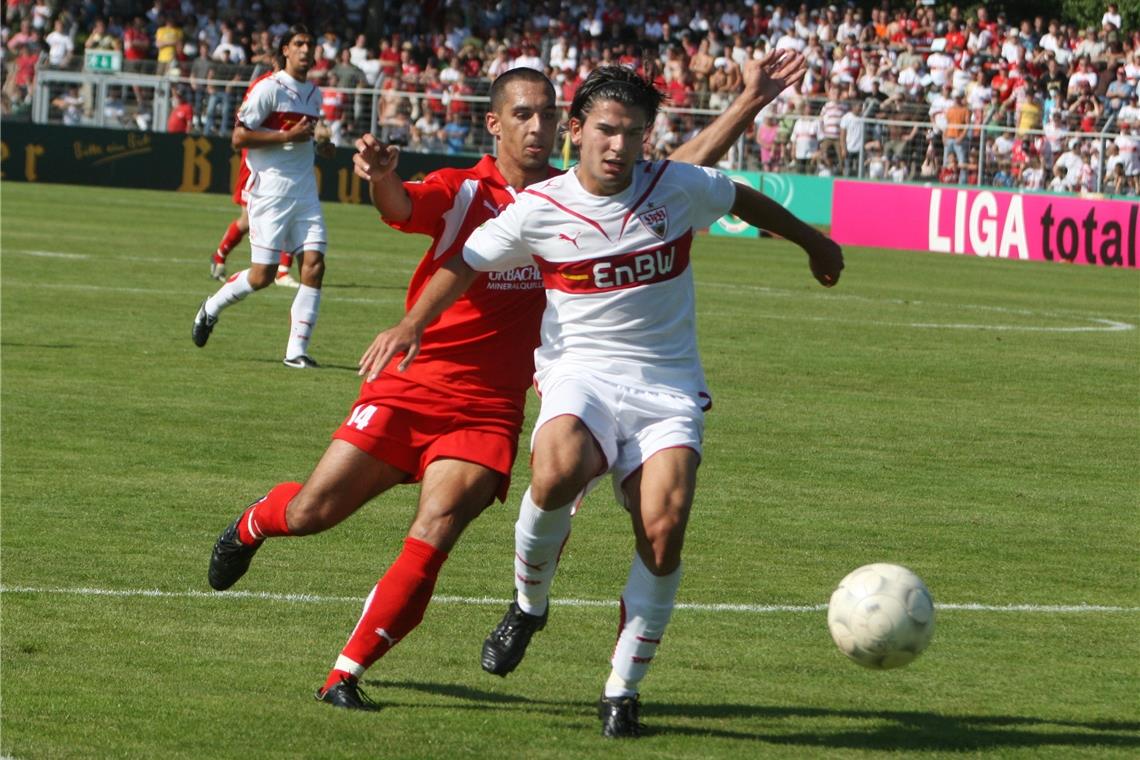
(452, 422)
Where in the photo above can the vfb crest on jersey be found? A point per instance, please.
(656, 220)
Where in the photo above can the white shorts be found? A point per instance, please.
(630, 423)
(284, 224)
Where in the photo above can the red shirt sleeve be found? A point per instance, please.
(431, 199)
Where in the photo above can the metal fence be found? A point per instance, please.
(442, 121)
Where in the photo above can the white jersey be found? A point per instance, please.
(619, 288)
(276, 103)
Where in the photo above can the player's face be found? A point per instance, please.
(609, 141)
(525, 126)
(299, 55)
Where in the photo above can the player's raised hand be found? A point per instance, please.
(778, 70)
(374, 160)
(404, 338)
(825, 258)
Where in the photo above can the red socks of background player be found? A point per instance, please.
(266, 516)
(232, 237)
(392, 611)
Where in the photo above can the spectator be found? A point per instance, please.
(60, 45)
(955, 139)
(70, 106)
(168, 42)
(136, 46)
(228, 51)
(181, 114)
(1119, 91)
(768, 139)
(805, 138)
(1033, 176)
(829, 118)
(455, 133)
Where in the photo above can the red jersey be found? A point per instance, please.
(484, 343)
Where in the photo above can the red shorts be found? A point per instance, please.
(409, 426)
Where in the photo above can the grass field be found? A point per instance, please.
(975, 420)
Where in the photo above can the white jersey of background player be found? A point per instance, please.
(275, 125)
(285, 170)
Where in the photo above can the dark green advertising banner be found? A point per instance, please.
(159, 161)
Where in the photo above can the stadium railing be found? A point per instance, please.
(142, 101)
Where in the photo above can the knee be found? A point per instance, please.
(313, 271)
(555, 484)
(664, 541)
(260, 277)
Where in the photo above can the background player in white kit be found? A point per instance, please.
(618, 372)
(275, 124)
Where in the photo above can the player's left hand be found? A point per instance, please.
(765, 79)
(825, 258)
(404, 338)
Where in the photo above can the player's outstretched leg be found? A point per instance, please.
(539, 538)
(233, 236)
(235, 548)
(203, 325)
(393, 609)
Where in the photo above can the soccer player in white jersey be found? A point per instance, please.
(621, 383)
(275, 125)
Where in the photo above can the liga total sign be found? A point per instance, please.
(1025, 226)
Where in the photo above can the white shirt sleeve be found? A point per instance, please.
(257, 106)
(710, 191)
(497, 244)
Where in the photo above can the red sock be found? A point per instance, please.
(286, 261)
(232, 237)
(395, 607)
(266, 516)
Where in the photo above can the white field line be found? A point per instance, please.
(489, 601)
(1100, 325)
(396, 297)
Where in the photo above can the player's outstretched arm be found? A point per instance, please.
(825, 257)
(764, 80)
(446, 285)
(375, 163)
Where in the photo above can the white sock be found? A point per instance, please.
(539, 537)
(303, 318)
(235, 289)
(646, 606)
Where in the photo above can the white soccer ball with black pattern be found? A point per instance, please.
(881, 616)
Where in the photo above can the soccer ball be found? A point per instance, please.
(881, 616)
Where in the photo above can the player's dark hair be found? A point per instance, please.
(286, 38)
(619, 84)
(520, 74)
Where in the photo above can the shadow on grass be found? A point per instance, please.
(888, 730)
(907, 730)
(339, 367)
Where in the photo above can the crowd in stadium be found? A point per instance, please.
(902, 93)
